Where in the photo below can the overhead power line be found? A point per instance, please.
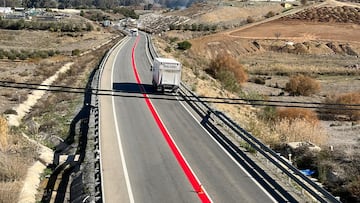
(233, 101)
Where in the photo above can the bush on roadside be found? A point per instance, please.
(302, 85)
(270, 14)
(229, 81)
(75, 52)
(184, 45)
(258, 80)
(250, 19)
(168, 49)
(225, 62)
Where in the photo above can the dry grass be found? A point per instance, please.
(9, 191)
(12, 168)
(354, 187)
(345, 99)
(15, 155)
(292, 114)
(3, 134)
(273, 63)
(280, 126)
(296, 130)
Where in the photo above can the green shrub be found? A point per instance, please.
(23, 56)
(184, 45)
(11, 56)
(51, 53)
(172, 26)
(168, 49)
(200, 27)
(258, 80)
(250, 19)
(173, 39)
(75, 52)
(228, 80)
(253, 95)
(89, 27)
(270, 14)
(43, 54)
(267, 113)
(214, 28)
(194, 27)
(126, 12)
(186, 27)
(302, 85)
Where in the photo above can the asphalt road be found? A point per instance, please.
(138, 163)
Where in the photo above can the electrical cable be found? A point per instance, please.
(233, 101)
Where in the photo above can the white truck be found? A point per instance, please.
(134, 32)
(166, 74)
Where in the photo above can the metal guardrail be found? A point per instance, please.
(316, 191)
(98, 196)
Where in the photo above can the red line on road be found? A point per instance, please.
(189, 174)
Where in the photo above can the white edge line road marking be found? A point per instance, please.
(99, 113)
(123, 162)
(232, 158)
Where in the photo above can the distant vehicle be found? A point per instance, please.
(166, 74)
(134, 32)
(106, 23)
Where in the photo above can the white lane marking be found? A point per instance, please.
(232, 158)
(123, 161)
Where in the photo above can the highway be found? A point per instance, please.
(153, 149)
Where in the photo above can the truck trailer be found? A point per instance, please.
(166, 74)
